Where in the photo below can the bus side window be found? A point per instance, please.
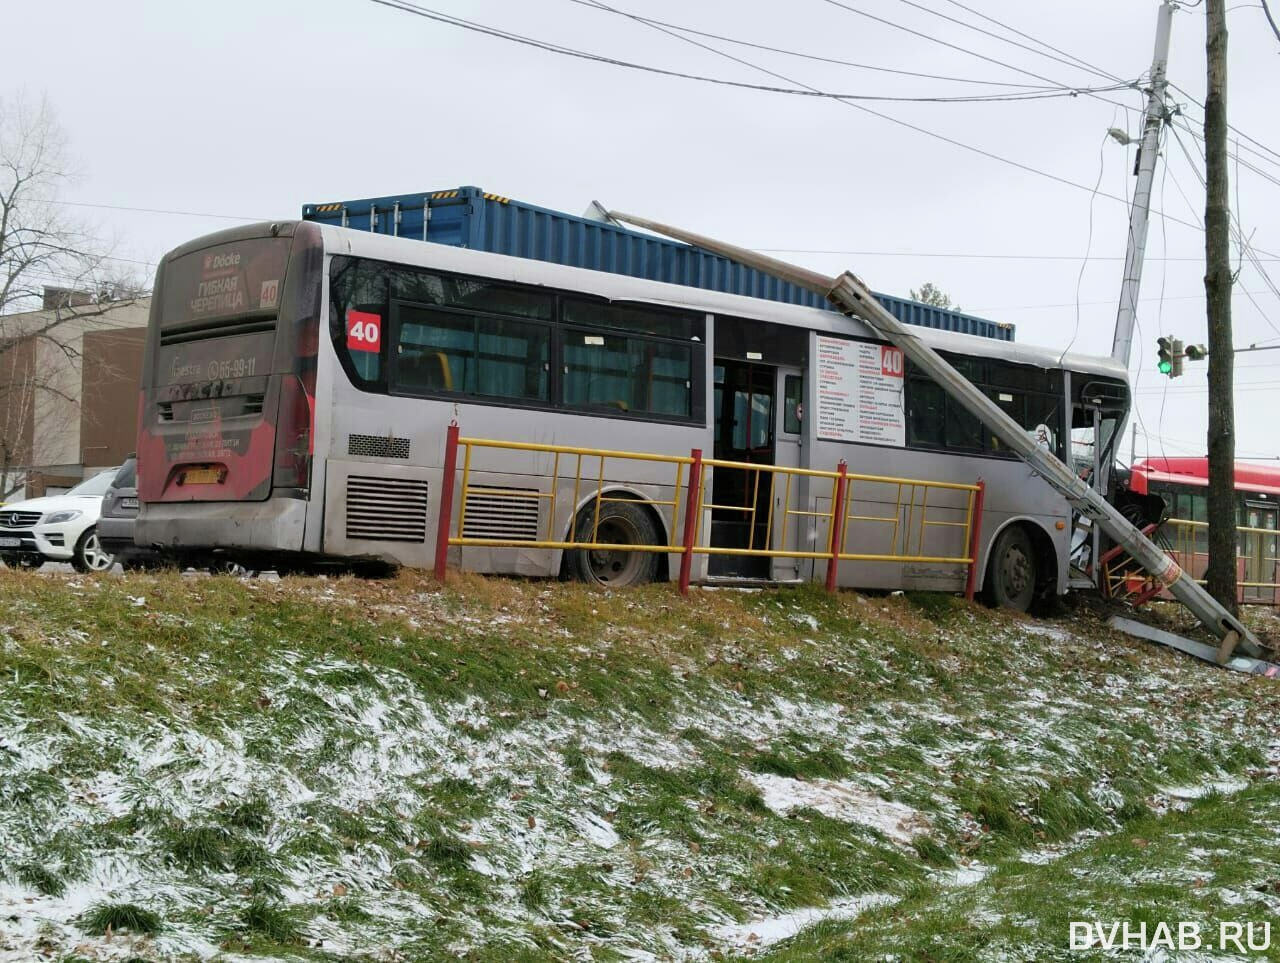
(626, 374)
(926, 407)
(1013, 404)
(357, 285)
(435, 351)
(963, 429)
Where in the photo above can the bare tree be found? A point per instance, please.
(55, 278)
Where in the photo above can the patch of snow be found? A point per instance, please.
(964, 875)
(773, 929)
(840, 800)
(804, 618)
(1224, 787)
(1049, 631)
(596, 829)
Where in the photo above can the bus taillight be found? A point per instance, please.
(295, 434)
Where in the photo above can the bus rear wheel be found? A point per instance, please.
(1011, 571)
(621, 523)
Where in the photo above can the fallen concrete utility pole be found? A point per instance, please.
(1200, 650)
(853, 298)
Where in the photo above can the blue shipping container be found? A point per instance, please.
(469, 217)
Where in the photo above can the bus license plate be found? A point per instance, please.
(10, 543)
(201, 476)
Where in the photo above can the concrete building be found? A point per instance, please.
(69, 381)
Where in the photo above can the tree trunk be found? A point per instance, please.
(1221, 576)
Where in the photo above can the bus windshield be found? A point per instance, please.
(242, 278)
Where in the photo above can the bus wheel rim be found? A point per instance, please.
(608, 566)
(1016, 570)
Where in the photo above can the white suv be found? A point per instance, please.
(57, 528)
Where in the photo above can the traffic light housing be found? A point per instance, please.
(1196, 352)
(1177, 359)
(1165, 347)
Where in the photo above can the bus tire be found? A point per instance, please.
(621, 523)
(1011, 571)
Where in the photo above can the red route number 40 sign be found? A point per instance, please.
(364, 331)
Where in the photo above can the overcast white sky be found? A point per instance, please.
(254, 108)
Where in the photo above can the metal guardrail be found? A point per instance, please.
(1257, 558)
(1257, 555)
(909, 522)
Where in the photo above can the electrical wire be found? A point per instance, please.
(405, 7)
(1241, 241)
(988, 33)
(1270, 19)
(804, 91)
(972, 53)
(1088, 244)
(1083, 63)
(1185, 93)
(156, 210)
(814, 57)
(1197, 259)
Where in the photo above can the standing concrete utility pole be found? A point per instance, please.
(853, 298)
(1148, 151)
(1220, 579)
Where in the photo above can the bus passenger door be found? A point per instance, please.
(745, 433)
(788, 432)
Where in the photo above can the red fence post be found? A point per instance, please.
(444, 519)
(975, 539)
(837, 525)
(690, 518)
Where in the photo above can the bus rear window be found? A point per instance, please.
(242, 278)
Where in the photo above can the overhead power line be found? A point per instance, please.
(1182, 90)
(975, 256)
(1083, 63)
(995, 36)
(815, 57)
(1237, 230)
(1270, 19)
(972, 53)
(156, 210)
(1027, 168)
(802, 91)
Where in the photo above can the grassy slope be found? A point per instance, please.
(505, 770)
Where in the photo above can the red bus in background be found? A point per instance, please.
(1182, 484)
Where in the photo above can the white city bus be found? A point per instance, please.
(299, 380)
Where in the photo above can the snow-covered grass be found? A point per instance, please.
(504, 770)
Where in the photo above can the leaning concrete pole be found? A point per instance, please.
(853, 298)
(1153, 121)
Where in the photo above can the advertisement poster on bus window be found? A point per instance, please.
(860, 396)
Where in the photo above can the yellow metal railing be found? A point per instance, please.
(1257, 560)
(585, 477)
(1257, 555)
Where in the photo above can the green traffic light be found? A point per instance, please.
(1165, 367)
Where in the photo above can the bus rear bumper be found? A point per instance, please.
(275, 525)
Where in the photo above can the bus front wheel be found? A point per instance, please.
(1011, 571)
(621, 523)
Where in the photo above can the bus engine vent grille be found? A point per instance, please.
(511, 516)
(378, 446)
(386, 509)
